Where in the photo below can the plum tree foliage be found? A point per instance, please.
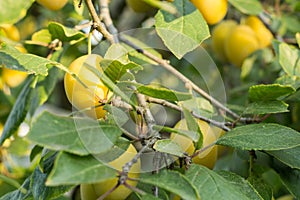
(149, 99)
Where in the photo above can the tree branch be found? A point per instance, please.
(105, 15)
(97, 22)
(221, 125)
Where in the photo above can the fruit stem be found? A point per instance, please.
(251, 161)
(90, 41)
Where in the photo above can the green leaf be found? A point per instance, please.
(291, 22)
(65, 34)
(163, 5)
(12, 12)
(289, 59)
(190, 134)
(261, 137)
(265, 107)
(264, 190)
(269, 92)
(116, 71)
(184, 33)
(172, 181)
(193, 125)
(117, 115)
(75, 135)
(162, 93)
(71, 169)
(117, 52)
(23, 193)
(43, 36)
(10, 181)
(148, 189)
(13, 59)
(44, 89)
(211, 185)
(168, 146)
(250, 7)
(158, 91)
(289, 157)
(291, 180)
(41, 191)
(293, 81)
(35, 151)
(242, 185)
(149, 197)
(136, 56)
(111, 85)
(18, 112)
(199, 106)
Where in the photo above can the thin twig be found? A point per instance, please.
(117, 101)
(221, 125)
(203, 149)
(84, 25)
(103, 196)
(137, 190)
(97, 23)
(144, 109)
(126, 168)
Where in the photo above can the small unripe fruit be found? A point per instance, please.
(53, 4)
(218, 133)
(13, 78)
(139, 5)
(209, 156)
(10, 31)
(240, 43)
(219, 35)
(88, 92)
(94, 191)
(263, 34)
(185, 143)
(213, 11)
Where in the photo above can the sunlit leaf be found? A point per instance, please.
(183, 32)
(265, 107)
(12, 12)
(252, 7)
(289, 59)
(14, 59)
(65, 34)
(269, 92)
